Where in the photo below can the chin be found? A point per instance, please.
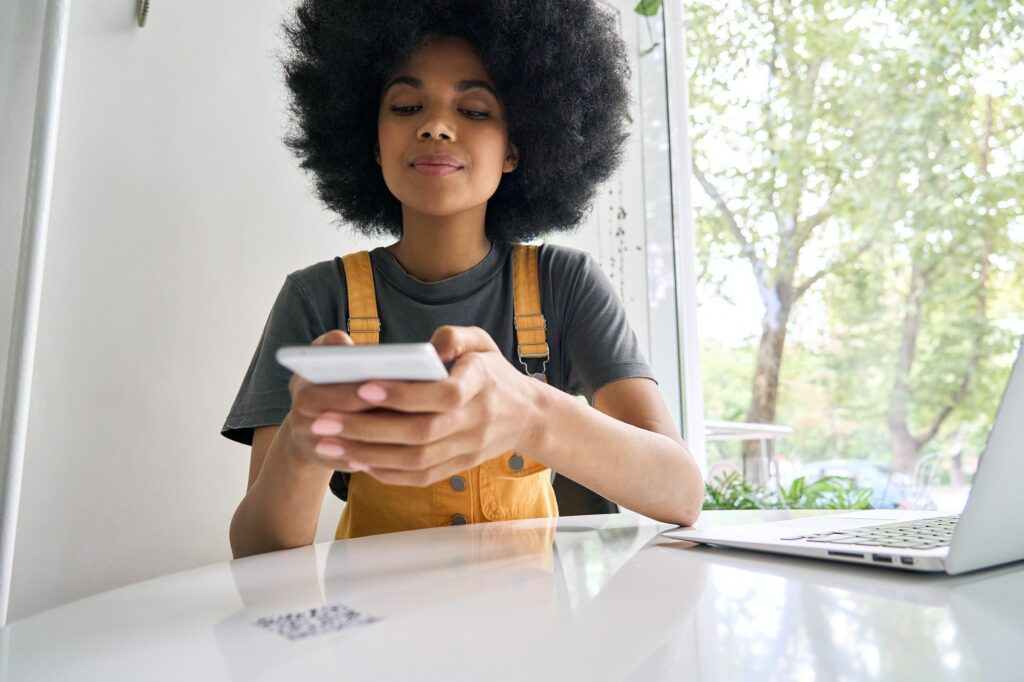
(439, 209)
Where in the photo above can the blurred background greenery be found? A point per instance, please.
(858, 188)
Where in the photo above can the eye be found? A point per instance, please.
(470, 113)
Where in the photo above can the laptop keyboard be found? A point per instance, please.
(923, 534)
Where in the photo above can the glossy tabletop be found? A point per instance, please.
(576, 598)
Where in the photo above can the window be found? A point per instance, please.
(858, 178)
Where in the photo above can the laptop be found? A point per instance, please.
(986, 533)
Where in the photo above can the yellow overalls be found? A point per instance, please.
(509, 486)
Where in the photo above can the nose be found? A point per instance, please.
(436, 128)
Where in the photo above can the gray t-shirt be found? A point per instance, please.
(589, 338)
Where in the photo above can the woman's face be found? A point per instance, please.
(442, 132)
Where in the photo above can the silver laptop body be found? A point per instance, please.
(985, 534)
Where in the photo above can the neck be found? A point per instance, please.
(433, 248)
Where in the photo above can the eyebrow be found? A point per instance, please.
(461, 86)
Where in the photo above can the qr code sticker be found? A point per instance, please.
(321, 620)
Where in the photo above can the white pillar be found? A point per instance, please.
(685, 242)
(25, 318)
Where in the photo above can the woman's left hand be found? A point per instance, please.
(429, 431)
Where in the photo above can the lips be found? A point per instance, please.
(436, 160)
(436, 164)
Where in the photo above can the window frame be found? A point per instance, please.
(674, 341)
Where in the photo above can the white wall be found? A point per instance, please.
(176, 215)
(177, 212)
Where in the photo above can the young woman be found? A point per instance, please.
(461, 129)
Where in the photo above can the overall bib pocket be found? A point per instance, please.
(513, 486)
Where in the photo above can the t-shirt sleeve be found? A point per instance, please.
(263, 398)
(599, 344)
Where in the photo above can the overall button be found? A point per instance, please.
(516, 463)
(458, 483)
(458, 520)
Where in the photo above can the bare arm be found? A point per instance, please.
(627, 449)
(281, 508)
(288, 475)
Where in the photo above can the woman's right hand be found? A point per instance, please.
(316, 408)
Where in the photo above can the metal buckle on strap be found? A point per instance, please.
(348, 325)
(542, 374)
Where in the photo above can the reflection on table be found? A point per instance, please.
(596, 597)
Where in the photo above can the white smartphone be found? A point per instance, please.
(351, 364)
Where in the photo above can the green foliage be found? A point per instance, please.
(880, 145)
(731, 491)
(828, 492)
(648, 8)
(727, 395)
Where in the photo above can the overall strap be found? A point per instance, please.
(531, 334)
(363, 324)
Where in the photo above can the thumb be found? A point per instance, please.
(451, 341)
(335, 337)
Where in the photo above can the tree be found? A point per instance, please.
(844, 141)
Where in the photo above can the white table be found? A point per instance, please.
(603, 598)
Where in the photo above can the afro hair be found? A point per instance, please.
(560, 68)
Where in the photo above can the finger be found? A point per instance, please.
(407, 457)
(331, 454)
(452, 342)
(335, 337)
(314, 400)
(462, 385)
(324, 454)
(389, 426)
(421, 479)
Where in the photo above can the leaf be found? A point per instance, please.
(730, 491)
(647, 51)
(648, 8)
(792, 497)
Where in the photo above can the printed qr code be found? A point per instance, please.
(322, 620)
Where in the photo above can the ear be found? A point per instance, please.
(511, 159)
(376, 153)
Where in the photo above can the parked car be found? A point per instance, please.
(890, 489)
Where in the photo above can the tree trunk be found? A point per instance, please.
(956, 458)
(904, 446)
(765, 388)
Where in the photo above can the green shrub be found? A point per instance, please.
(730, 491)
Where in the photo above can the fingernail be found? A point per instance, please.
(325, 426)
(330, 449)
(357, 466)
(372, 393)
